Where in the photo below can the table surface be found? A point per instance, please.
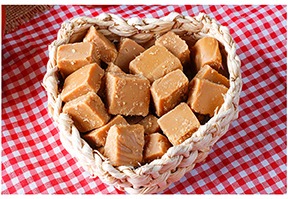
(250, 158)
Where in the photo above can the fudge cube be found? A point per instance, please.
(124, 145)
(128, 50)
(205, 96)
(150, 124)
(97, 137)
(156, 146)
(127, 94)
(71, 57)
(206, 51)
(106, 48)
(110, 68)
(86, 79)
(175, 45)
(87, 111)
(207, 72)
(179, 123)
(169, 91)
(154, 63)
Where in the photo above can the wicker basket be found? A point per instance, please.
(160, 173)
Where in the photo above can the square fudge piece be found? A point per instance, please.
(97, 137)
(128, 50)
(106, 48)
(179, 123)
(206, 72)
(206, 51)
(169, 91)
(87, 111)
(86, 79)
(175, 45)
(127, 94)
(150, 124)
(71, 57)
(110, 68)
(205, 96)
(124, 145)
(154, 63)
(156, 146)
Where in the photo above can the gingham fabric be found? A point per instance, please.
(249, 159)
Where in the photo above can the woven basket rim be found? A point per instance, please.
(186, 154)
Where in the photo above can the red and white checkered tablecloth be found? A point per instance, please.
(250, 158)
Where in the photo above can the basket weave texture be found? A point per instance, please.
(160, 173)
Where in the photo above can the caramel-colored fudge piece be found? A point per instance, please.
(156, 146)
(97, 137)
(87, 112)
(127, 94)
(110, 68)
(71, 57)
(206, 51)
(106, 48)
(205, 96)
(179, 123)
(175, 45)
(154, 63)
(86, 79)
(207, 72)
(169, 91)
(128, 50)
(124, 145)
(150, 124)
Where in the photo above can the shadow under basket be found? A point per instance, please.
(160, 173)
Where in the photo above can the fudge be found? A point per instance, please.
(179, 123)
(71, 57)
(205, 96)
(169, 91)
(87, 112)
(175, 45)
(122, 124)
(86, 79)
(156, 146)
(124, 145)
(110, 68)
(154, 63)
(128, 50)
(150, 124)
(206, 51)
(106, 48)
(207, 72)
(127, 94)
(97, 137)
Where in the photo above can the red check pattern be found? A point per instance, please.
(249, 159)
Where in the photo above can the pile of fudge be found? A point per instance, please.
(132, 102)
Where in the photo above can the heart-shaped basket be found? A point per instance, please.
(160, 173)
